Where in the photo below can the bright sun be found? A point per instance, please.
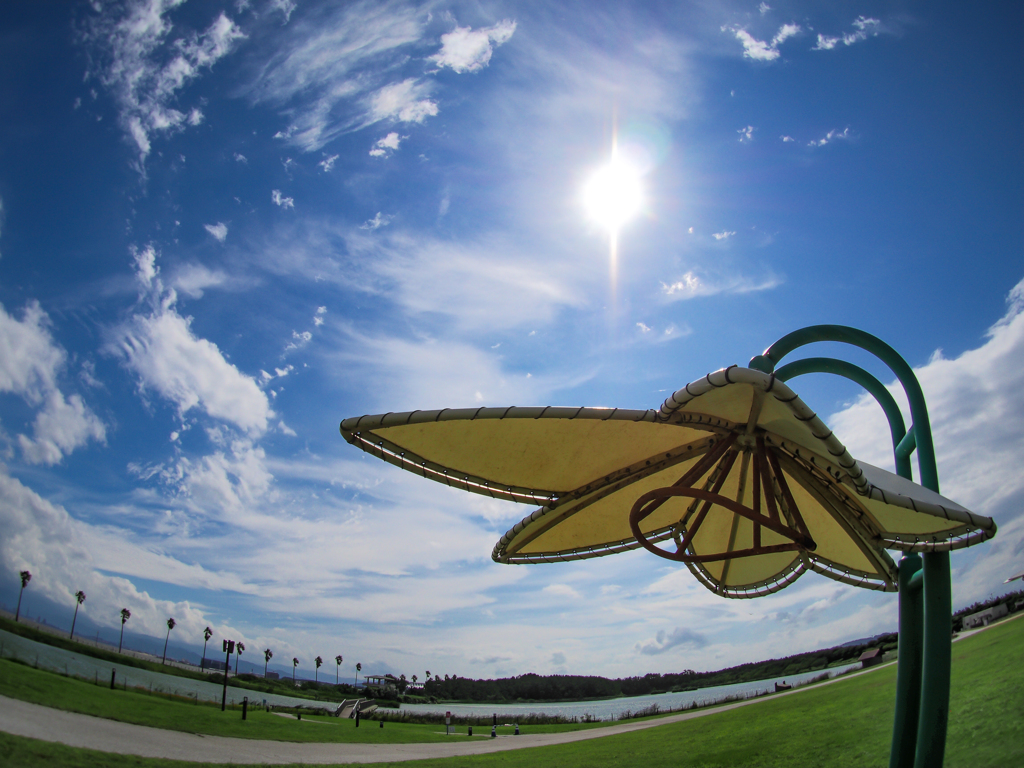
(613, 196)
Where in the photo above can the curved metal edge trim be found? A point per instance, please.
(851, 576)
(384, 420)
(957, 538)
(791, 573)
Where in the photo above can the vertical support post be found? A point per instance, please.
(908, 669)
(938, 638)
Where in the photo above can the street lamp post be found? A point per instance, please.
(229, 648)
(26, 577)
(80, 598)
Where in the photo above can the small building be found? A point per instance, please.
(273, 676)
(986, 617)
(870, 658)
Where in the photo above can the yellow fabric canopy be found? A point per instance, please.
(734, 476)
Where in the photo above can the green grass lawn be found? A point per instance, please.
(842, 724)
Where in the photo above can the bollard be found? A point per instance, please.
(517, 729)
(357, 716)
(245, 706)
(112, 673)
(470, 731)
(381, 723)
(494, 731)
(298, 716)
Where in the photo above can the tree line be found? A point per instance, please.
(533, 687)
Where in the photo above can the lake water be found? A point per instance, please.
(612, 709)
(80, 665)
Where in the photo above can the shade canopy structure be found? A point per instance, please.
(734, 476)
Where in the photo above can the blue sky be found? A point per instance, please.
(227, 226)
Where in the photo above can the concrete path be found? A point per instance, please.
(76, 730)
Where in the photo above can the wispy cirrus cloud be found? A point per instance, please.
(145, 67)
(829, 137)
(691, 286)
(865, 28)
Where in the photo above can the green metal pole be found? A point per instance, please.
(908, 666)
(938, 638)
(936, 652)
(876, 388)
(918, 409)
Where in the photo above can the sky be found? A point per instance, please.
(227, 226)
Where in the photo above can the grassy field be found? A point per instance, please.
(842, 724)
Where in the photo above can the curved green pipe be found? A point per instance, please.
(767, 361)
(871, 384)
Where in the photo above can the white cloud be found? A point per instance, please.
(829, 137)
(764, 8)
(278, 199)
(974, 402)
(284, 6)
(865, 28)
(60, 427)
(240, 158)
(746, 134)
(643, 328)
(723, 235)
(390, 142)
(405, 101)
(690, 286)
(787, 138)
(327, 73)
(562, 590)
(299, 340)
(218, 230)
(145, 71)
(159, 346)
(30, 363)
(760, 50)
(328, 163)
(666, 641)
(466, 50)
(377, 221)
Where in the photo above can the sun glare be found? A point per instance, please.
(613, 196)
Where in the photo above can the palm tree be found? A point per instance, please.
(337, 672)
(316, 672)
(125, 615)
(414, 680)
(26, 577)
(80, 597)
(359, 668)
(239, 647)
(207, 634)
(267, 655)
(428, 676)
(295, 663)
(171, 623)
